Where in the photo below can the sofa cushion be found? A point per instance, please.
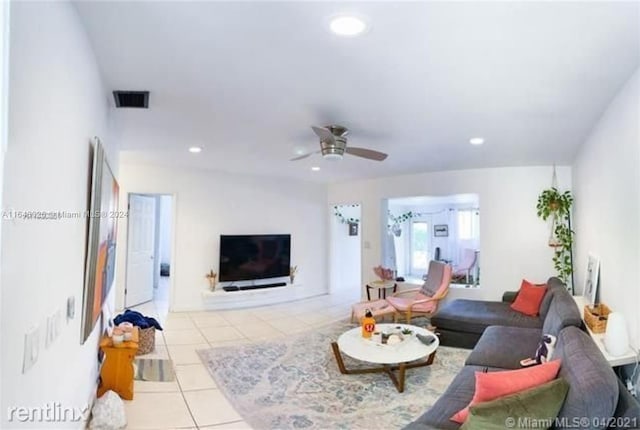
(504, 347)
(474, 316)
(529, 298)
(593, 386)
(490, 386)
(539, 404)
(457, 396)
(563, 312)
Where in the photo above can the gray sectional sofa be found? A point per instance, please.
(502, 339)
(461, 323)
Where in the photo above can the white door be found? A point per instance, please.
(140, 249)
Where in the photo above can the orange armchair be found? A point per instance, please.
(424, 300)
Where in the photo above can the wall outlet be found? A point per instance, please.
(31, 348)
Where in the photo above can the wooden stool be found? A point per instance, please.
(117, 370)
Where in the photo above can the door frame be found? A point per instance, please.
(331, 250)
(174, 212)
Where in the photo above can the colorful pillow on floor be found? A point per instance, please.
(526, 409)
(529, 298)
(492, 385)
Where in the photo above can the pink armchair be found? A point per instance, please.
(424, 300)
(467, 263)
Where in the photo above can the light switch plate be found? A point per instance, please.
(54, 327)
(49, 335)
(31, 348)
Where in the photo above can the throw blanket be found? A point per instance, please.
(137, 319)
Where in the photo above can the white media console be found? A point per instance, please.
(220, 299)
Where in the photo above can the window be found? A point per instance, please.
(468, 224)
(419, 247)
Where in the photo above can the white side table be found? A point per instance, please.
(628, 357)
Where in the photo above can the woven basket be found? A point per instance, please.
(147, 340)
(595, 317)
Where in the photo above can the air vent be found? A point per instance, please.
(131, 99)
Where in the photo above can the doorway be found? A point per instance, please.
(149, 238)
(419, 229)
(346, 250)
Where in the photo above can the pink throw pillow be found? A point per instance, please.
(529, 298)
(491, 385)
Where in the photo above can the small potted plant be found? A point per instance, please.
(292, 273)
(211, 277)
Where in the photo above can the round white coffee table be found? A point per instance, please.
(400, 357)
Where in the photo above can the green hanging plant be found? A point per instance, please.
(343, 219)
(554, 205)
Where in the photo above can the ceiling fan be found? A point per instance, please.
(333, 145)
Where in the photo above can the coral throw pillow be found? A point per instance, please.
(529, 298)
(491, 385)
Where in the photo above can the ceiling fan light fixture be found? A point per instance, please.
(315, 169)
(347, 25)
(332, 156)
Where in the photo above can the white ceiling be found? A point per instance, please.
(245, 80)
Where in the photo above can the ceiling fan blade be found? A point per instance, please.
(303, 156)
(324, 134)
(369, 154)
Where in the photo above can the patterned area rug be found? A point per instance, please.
(295, 383)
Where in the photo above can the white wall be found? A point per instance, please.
(57, 103)
(208, 204)
(514, 240)
(345, 251)
(606, 177)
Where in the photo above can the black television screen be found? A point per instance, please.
(247, 257)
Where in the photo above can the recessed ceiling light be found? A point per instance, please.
(347, 25)
(315, 168)
(476, 140)
(195, 149)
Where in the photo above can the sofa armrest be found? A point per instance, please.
(510, 296)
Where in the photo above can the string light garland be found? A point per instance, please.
(343, 219)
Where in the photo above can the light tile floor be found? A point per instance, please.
(194, 401)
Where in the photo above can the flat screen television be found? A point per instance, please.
(249, 257)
